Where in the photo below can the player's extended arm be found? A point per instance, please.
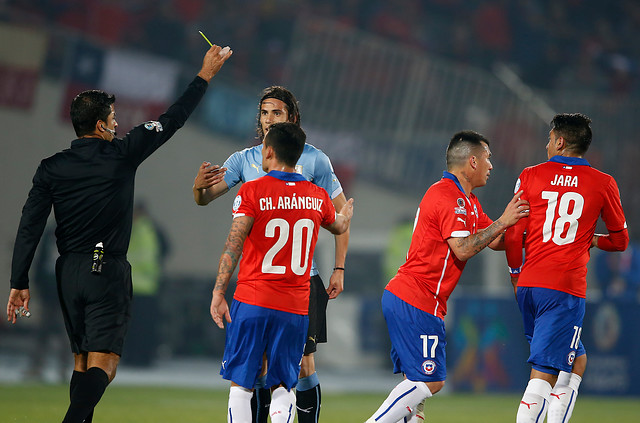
(469, 246)
(613, 241)
(228, 261)
(209, 183)
(336, 282)
(343, 219)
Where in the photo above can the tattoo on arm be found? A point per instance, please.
(232, 251)
(475, 243)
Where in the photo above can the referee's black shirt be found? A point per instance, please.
(90, 187)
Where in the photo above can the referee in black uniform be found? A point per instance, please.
(90, 187)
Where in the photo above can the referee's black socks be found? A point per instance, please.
(85, 390)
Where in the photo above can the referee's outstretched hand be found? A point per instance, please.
(213, 61)
(17, 298)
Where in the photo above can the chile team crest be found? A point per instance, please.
(236, 203)
(428, 367)
(571, 357)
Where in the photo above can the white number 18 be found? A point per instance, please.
(554, 232)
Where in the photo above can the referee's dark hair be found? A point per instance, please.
(89, 107)
(287, 140)
(575, 129)
(284, 95)
(463, 145)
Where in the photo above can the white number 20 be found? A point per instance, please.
(551, 231)
(297, 256)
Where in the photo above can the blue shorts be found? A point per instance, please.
(255, 331)
(552, 325)
(417, 340)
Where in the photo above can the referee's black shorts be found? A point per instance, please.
(96, 307)
(318, 299)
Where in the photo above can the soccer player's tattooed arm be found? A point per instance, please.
(240, 228)
(469, 246)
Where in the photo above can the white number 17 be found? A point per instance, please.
(425, 345)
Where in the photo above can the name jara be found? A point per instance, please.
(565, 181)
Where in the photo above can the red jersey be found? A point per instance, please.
(276, 259)
(566, 197)
(432, 270)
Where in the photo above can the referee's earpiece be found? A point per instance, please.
(111, 131)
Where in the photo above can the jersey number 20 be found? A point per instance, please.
(298, 251)
(553, 228)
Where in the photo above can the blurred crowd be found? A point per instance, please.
(552, 44)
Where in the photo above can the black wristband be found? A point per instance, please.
(338, 268)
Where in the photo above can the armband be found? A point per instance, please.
(338, 268)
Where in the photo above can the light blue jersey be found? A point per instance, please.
(314, 165)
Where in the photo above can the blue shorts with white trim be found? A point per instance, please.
(552, 325)
(255, 331)
(417, 339)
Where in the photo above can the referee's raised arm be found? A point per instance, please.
(147, 137)
(90, 187)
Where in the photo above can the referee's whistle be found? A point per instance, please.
(22, 312)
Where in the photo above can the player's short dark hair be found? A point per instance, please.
(87, 108)
(463, 145)
(575, 129)
(287, 140)
(284, 95)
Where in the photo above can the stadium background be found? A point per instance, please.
(382, 87)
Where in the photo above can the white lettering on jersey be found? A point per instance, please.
(297, 203)
(565, 181)
(266, 204)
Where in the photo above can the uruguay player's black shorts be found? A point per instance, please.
(318, 299)
(96, 307)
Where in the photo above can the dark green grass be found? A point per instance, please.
(124, 404)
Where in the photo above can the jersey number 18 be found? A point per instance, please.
(554, 229)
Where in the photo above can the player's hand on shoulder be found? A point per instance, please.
(515, 210)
